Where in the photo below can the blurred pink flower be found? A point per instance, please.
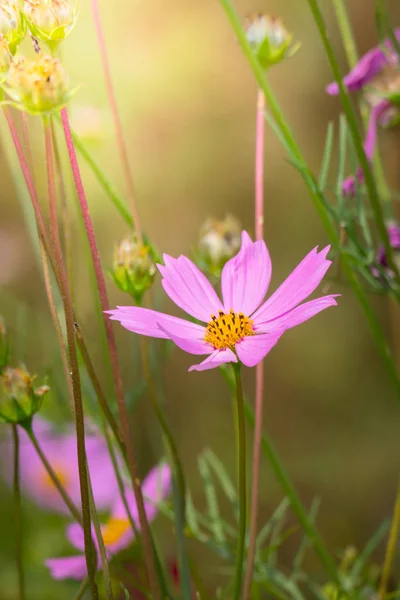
(60, 451)
(235, 329)
(117, 532)
(378, 69)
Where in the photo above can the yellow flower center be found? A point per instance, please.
(114, 529)
(46, 482)
(226, 330)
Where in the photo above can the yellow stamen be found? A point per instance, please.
(46, 482)
(226, 330)
(114, 529)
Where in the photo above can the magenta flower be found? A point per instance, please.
(393, 230)
(370, 64)
(237, 328)
(117, 532)
(60, 450)
(377, 63)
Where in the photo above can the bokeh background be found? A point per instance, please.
(187, 100)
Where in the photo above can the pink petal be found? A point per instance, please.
(299, 314)
(75, 536)
(156, 487)
(69, 567)
(146, 322)
(245, 278)
(367, 67)
(189, 288)
(190, 345)
(216, 359)
(296, 288)
(252, 349)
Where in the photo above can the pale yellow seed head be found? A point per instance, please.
(12, 25)
(39, 85)
(50, 20)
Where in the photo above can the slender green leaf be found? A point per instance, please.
(326, 157)
(212, 501)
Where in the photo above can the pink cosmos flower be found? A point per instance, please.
(60, 450)
(237, 328)
(117, 532)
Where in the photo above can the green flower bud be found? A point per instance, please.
(12, 24)
(331, 591)
(37, 86)
(50, 21)
(19, 400)
(134, 267)
(218, 242)
(4, 346)
(5, 59)
(269, 39)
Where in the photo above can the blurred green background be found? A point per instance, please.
(187, 100)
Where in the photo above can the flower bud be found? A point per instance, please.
(269, 39)
(218, 242)
(134, 267)
(19, 400)
(382, 269)
(4, 346)
(5, 59)
(12, 24)
(37, 86)
(385, 85)
(50, 21)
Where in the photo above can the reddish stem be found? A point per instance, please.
(131, 458)
(123, 154)
(74, 365)
(259, 227)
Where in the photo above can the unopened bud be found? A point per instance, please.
(134, 267)
(218, 242)
(269, 39)
(4, 346)
(19, 400)
(5, 59)
(50, 21)
(12, 24)
(37, 86)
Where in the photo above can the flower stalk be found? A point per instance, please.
(73, 362)
(123, 154)
(53, 476)
(241, 452)
(259, 228)
(18, 515)
(390, 548)
(131, 457)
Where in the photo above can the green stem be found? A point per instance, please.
(315, 192)
(295, 501)
(104, 182)
(111, 420)
(391, 547)
(349, 44)
(18, 516)
(57, 483)
(162, 419)
(357, 139)
(73, 362)
(100, 543)
(241, 447)
(82, 589)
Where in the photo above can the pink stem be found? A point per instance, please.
(259, 167)
(123, 154)
(40, 222)
(101, 285)
(259, 227)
